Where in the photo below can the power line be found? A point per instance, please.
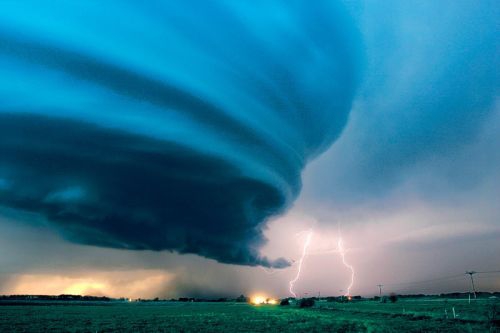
(486, 276)
(425, 281)
(439, 279)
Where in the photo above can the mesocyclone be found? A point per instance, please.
(176, 126)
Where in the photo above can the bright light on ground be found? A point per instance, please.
(259, 299)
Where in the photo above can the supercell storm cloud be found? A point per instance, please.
(174, 126)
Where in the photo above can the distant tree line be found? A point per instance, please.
(242, 298)
(54, 298)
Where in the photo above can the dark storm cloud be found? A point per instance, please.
(177, 126)
(109, 188)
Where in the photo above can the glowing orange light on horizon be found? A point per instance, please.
(260, 299)
(131, 284)
(83, 287)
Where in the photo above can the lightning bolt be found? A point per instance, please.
(304, 253)
(342, 252)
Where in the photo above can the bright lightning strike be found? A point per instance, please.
(342, 252)
(304, 252)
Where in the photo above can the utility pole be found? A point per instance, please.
(471, 273)
(380, 290)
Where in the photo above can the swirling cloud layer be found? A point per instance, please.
(169, 126)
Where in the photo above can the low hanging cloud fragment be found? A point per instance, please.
(175, 126)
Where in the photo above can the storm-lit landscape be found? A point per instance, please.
(249, 166)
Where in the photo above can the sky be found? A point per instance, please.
(198, 148)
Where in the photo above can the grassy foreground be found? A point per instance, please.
(367, 316)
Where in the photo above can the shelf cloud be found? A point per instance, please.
(184, 131)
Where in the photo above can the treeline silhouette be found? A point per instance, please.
(54, 298)
(22, 299)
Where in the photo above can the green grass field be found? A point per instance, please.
(365, 316)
